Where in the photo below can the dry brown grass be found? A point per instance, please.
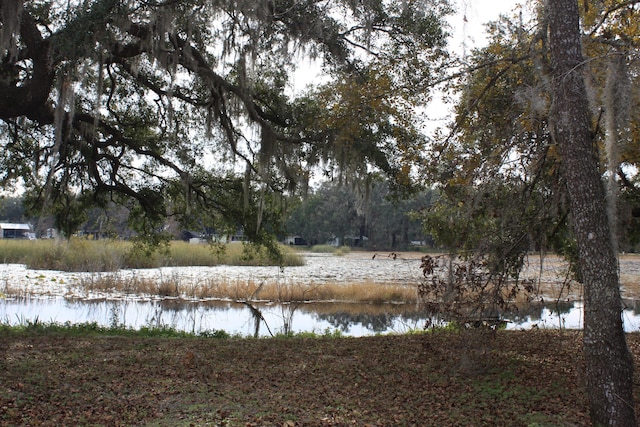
(278, 291)
(368, 292)
(7, 288)
(111, 255)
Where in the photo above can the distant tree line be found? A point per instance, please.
(374, 218)
(111, 221)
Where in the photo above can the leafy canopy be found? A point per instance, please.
(497, 167)
(187, 109)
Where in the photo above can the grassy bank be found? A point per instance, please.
(504, 378)
(112, 255)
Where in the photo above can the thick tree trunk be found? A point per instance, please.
(609, 366)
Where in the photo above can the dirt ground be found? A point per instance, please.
(468, 378)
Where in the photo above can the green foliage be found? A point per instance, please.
(499, 221)
(498, 169)
(447, 328)
(501, 190)
(327, 333)
(150, 106)
(218, 333)
(145, 248)
(69, 210)
(12, 209)
(372, 215)
(37, 327)
(326, 249)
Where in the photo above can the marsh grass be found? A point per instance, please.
(251, 290)
(324, 249)
(342, 250)
(364, 292)
(7, 288)
(112, 255)
(329, 249)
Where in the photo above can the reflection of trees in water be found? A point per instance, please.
(344, 321)
(287, 311)
(632, 304)
(185, 305)
(384, 322)
(533, 312)
(194, 316)
(185, 314)
(113, 311)
(379, 322)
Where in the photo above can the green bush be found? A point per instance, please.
(329, 249)
(325, 249)
(342, 250)
(37, 327)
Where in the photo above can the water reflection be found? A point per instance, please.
(240, 319)
(370, 317)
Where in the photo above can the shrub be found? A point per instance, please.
(329, 249)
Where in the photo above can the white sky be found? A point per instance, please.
(468, 32)
(477, 13)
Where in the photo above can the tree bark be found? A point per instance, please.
(609, 365)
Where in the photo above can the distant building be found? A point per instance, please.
(238, 237)
(50, 233)
(15, 231)
(295, 241)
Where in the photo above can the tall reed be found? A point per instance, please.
(112, 255)
(251, 290)
(330, 249)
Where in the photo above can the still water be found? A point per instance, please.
(237, 319)
(52, 296)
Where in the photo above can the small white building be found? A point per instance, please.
(15, 231)
(295, 241)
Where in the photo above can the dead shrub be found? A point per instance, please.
(467, 291)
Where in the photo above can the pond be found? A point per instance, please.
(53, 296)
(237, 318)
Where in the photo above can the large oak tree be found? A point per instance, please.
(188, 108)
